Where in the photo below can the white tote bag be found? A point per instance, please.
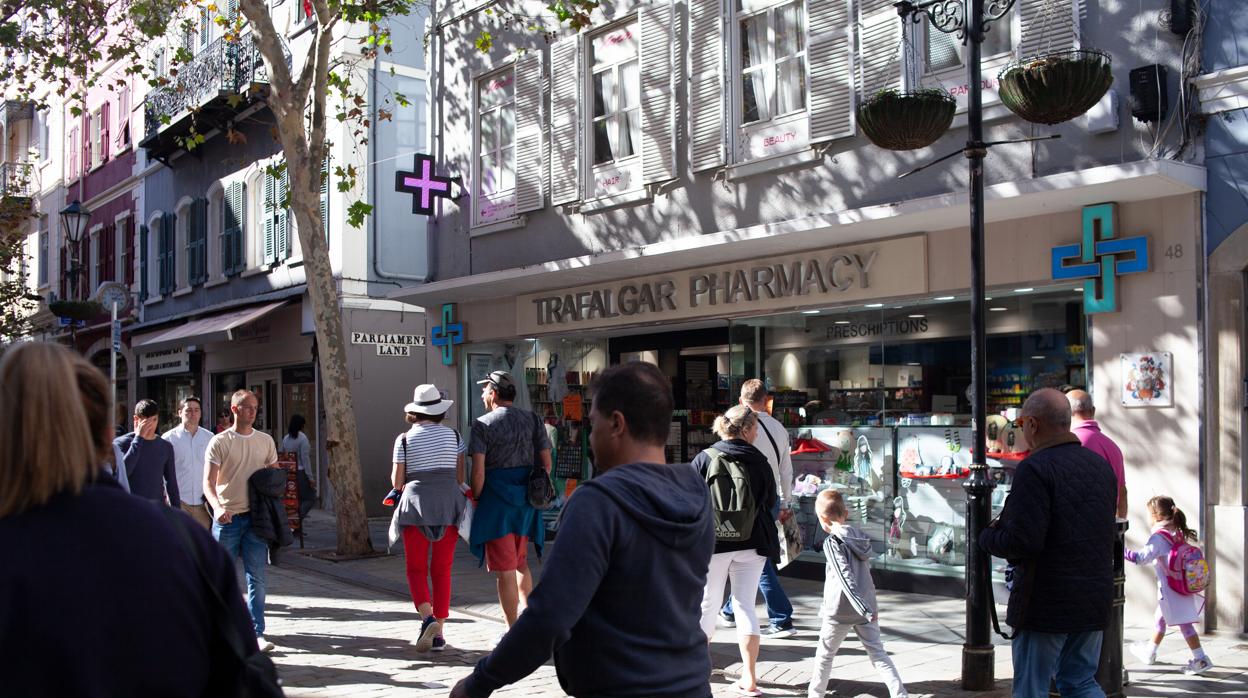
(465, 519)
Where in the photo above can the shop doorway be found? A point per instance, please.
(265, 385)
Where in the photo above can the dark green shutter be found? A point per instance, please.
(270, 244)
(233, 224)
(281, 222)
(143, 254)
(197, 243)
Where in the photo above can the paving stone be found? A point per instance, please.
(346, 629)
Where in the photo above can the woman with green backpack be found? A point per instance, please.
(743, 492)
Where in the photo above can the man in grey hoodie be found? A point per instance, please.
(618, 602)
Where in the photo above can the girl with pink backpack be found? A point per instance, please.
(1182, 574)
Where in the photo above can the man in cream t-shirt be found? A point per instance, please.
(233, 456)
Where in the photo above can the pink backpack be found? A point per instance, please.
(1186, 568)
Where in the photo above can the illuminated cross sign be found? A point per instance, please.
(423, 185)
(448, 334)
(1101, 258)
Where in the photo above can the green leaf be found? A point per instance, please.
(484, 41)
(357, 212)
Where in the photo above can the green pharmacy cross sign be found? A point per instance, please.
(1100, 258)
(448, 334)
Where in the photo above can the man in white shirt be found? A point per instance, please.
(190, 445)
(772, 440)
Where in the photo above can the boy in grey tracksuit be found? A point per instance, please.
(848, 598)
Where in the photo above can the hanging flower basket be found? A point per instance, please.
(1054, 87)
(906, 120)
(76, 310)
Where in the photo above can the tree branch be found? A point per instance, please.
(269, 42)
(324, 41)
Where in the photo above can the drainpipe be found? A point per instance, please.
(431, 250)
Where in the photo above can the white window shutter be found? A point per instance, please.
(658, 125)
(530, 155)
(1047, 25)
(880, 59)
(706, 85)
(565, 131)
(831, 59)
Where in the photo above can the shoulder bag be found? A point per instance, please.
(541, 494)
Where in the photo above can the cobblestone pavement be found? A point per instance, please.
(346, 628)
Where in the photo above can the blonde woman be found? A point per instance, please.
(104, 576)
(744, 540)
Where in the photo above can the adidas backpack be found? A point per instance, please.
(732, 500)
(1186, 568)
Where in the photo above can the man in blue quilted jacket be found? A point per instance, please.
(1057, 529)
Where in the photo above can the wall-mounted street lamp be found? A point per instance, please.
(74, 221)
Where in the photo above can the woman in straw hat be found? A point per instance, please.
(428, 470)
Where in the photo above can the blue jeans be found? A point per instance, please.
(779, 608)
(236, 537)
(1070, 659)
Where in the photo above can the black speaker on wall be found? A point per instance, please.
(1150, 100)
(1181, 12)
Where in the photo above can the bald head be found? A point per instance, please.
(1051, 411)
(1081, 406)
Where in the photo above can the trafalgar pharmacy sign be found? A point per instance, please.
(881, 269)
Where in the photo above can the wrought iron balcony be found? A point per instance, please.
(17, 180)
(214, 86)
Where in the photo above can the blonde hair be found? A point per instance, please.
(240, 395)
(830, 505)
(735, 422)
(55, 420)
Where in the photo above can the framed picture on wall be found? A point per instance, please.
(1147, 380)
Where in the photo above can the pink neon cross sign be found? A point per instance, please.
(423, 185)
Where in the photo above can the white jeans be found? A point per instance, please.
(831, 635)
(742, 570)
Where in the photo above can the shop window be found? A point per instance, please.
(496, 152)
(877, 405)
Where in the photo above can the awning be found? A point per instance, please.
(216, 328)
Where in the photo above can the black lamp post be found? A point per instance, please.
(969, 19)
(74, 220)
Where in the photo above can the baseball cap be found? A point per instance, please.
(500, 379)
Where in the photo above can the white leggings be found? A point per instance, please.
(742, 569)
(831, 635)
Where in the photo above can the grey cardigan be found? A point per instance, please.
(848, 597)
(431, 502)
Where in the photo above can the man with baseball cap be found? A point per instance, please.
(505, 443)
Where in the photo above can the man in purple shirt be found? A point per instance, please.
(1089, 432)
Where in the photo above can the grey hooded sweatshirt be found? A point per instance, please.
(619, 602)
(844, 602)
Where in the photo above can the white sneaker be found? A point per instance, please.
(498, 639)
(1198, 666)
(265, 645)
(1144, 651)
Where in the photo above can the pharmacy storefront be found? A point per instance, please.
(865, 347)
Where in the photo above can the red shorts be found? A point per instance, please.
(506, 554)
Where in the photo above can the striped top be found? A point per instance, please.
(429, 447)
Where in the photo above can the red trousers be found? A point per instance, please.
(419, 570)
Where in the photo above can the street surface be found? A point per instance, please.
(347, 628)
